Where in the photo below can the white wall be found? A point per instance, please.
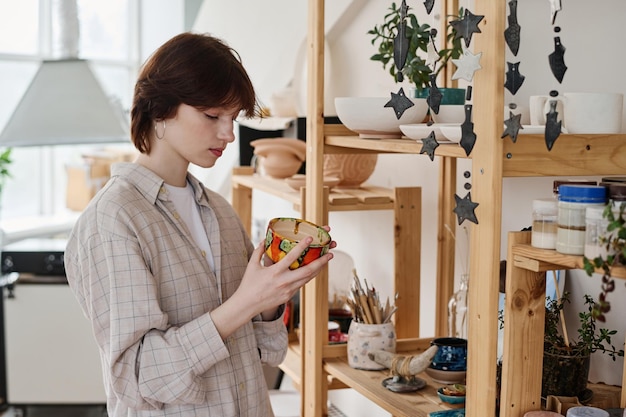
(594, 60)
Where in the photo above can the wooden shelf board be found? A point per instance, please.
(369, 384)
(539, 260)
(354, 144)
(366, 197)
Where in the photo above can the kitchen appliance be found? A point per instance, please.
(50, 355)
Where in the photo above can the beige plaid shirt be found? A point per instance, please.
(147, 290)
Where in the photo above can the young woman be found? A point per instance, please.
(183, 307)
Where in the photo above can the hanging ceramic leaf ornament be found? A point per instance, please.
(429, 5)
(434, 95)
(512, 32)
(468, 137)
(400, 50)
(514, 79)
(557, 62)
(553, 127)
(555, 7)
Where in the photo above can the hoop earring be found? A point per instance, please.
(156, 131)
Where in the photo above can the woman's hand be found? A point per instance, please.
(265, 287)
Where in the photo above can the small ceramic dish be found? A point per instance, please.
(450, 399)
(283, 233)
(446, 377)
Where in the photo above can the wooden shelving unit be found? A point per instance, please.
(322, 366)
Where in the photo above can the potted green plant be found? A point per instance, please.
(614, 242)
(415, 70)
(566, 361)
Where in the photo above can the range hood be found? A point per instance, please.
(65, 103)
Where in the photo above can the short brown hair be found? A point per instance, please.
(194, 69)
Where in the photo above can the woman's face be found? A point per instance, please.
(200, 136)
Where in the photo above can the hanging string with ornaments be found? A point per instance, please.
(514, 79)
(558, 68)
(464, 28)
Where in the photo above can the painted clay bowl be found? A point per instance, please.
(283, 233)
(451, 355)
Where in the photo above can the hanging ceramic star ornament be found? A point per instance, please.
(557, 63)
(429, 144)
(553, 127)
(512, 32)
(466, 26)
(512, 126)
(514, 79)
(434, 95)
(400, 102)
(555, 7)
(468, 137)
(429, 5)
(465, 208)
(466, 65)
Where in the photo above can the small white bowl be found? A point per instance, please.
(449, 113)
(369, 117)
(451, 131)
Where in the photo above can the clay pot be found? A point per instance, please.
(279, 157)
(351, 169)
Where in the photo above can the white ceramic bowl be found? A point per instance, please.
(369, 117)
(451, 131)
(449, 113)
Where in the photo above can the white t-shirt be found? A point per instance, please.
(187, 208)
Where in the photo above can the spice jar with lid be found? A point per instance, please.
(572, 205)
(595, 232)
(544, 227)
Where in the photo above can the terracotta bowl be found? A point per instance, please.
(279, 157)
(283, 233)
(369, 117)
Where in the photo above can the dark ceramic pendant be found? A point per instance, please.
(465, 208)
(514, 79)
(400, 47)
(553, 127)
(434, 95)
(512, 126)
(400, 102)
(429, 5)
(429, 144)
(466, 26)
(468, 137)
(512, 32)
(557, 62)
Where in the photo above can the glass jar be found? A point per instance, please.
(572, 205)
(595, 232)
(545, 215)
(457, 310)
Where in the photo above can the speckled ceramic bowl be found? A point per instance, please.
(283, 233)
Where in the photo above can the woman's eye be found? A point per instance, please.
(210, 116)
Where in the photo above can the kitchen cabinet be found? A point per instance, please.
(492, 160)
